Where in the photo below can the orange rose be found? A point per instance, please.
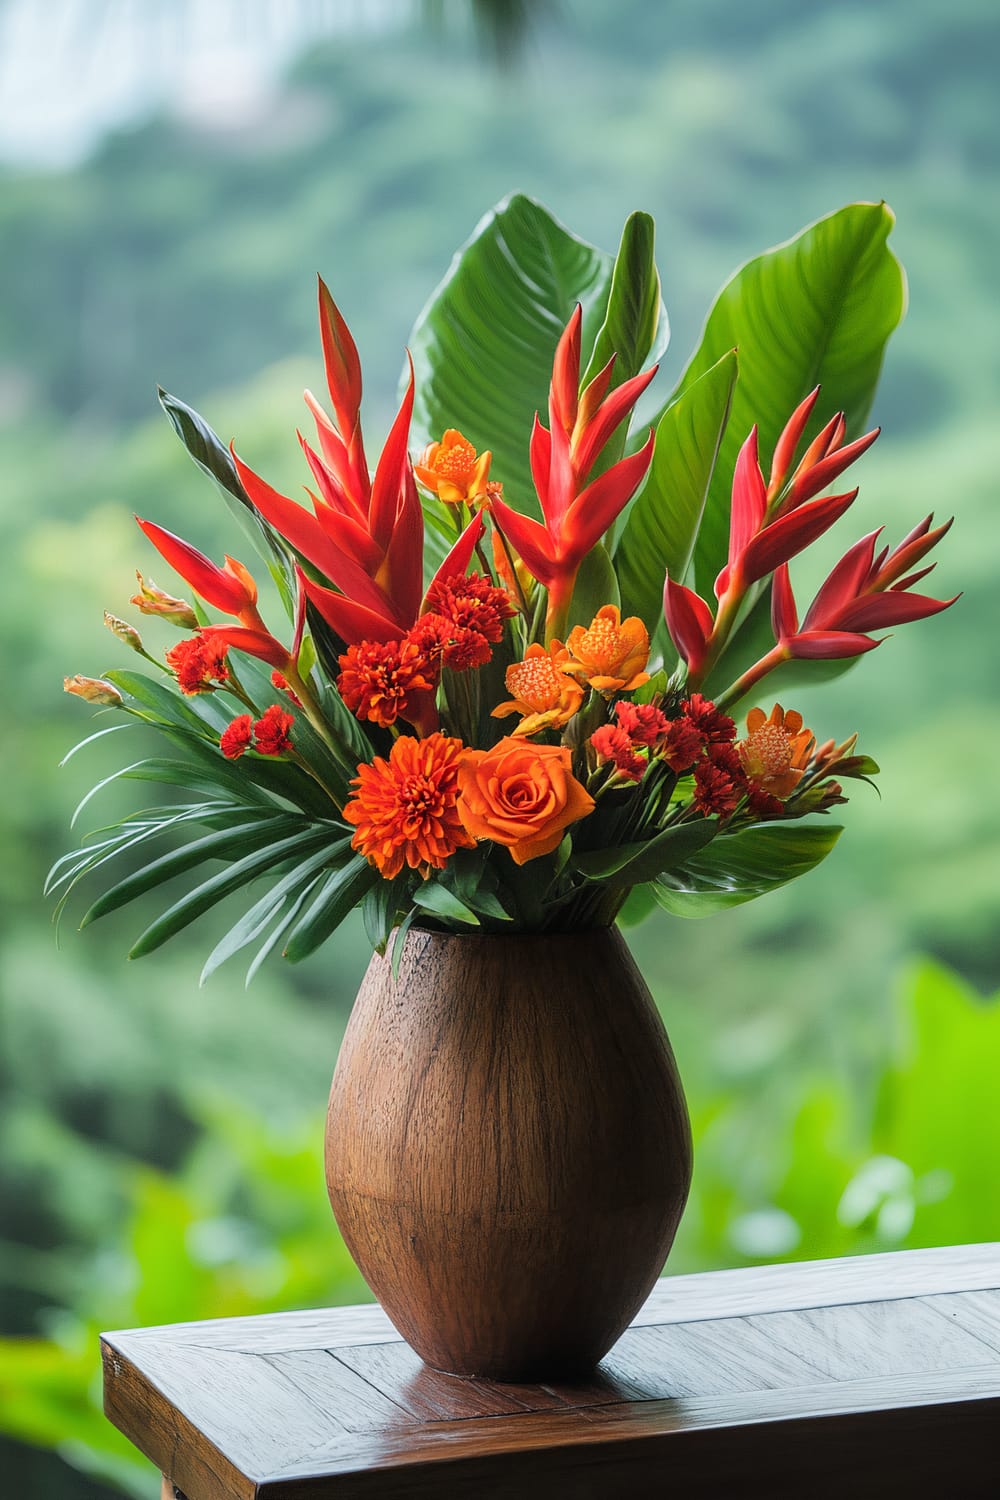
(520, 795)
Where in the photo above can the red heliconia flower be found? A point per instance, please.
(237, 736)
(365, 535)
(577, 510)
(865, 591)
(769, 524)
(272, 731)
(231, 589)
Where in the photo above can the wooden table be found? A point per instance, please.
(874, 1376)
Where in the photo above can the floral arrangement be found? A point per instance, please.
(500, 705)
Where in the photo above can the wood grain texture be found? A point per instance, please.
(877, 1396)
(508, 1149)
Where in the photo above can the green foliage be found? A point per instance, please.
(482, 347)
(815, 311)
(742, 866)
(664, 519)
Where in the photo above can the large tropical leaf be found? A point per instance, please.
(482, 347)
(740, 866)
(663, 521)
(635, 863)
(815, 310)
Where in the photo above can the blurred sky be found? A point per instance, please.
(70, 70)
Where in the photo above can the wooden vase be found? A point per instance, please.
(508, 1151)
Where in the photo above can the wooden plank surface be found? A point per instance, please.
(873, 1374)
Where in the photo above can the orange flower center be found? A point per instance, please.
(537, 682)
(603, 645)
(457, 462)
(769, 751)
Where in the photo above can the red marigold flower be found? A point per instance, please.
(280, 681)
(404, 808)
(473, 602)
(272, 731)
(642, 722)
(682, 745)
(716, 791)
(718, 728)
(197, 662)
(236, 737)
(613, 744)
(383, 681)
(456, 645)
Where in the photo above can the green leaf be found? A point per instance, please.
(635, 314)
(483, 346)
(634, 864)
(639, 904)
(380, 907)
(198, 714)
(663, 521)
(740, 866)
(815, 310)
(227, 844)
(312, 850)
(444, 903)
(338, 895)
(214, 459)
(596, 585)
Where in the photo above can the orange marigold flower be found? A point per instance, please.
(198, 662)
(523, 796)
(473, 603)
(453, 469)
(236, 737)
(717, 727)
(404, 808)
(776, 751)
(272, 731)
(611, 653)
(613, 744)
(542, 690)
(385, 680)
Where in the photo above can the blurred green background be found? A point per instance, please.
(172, 179)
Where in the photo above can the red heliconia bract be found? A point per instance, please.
(577, 513)
(365, 534)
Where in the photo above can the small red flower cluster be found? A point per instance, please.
(383, 681)
(270, 735)
(197, 662)
(464, 616)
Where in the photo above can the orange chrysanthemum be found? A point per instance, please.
(404, 808)
(453, 469)
(776, 751)
(542, 690)
(522, 796)
(610, 653)
(383, 681)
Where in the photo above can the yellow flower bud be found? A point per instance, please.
(153, 601)
(94, 690)
(125, 632)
